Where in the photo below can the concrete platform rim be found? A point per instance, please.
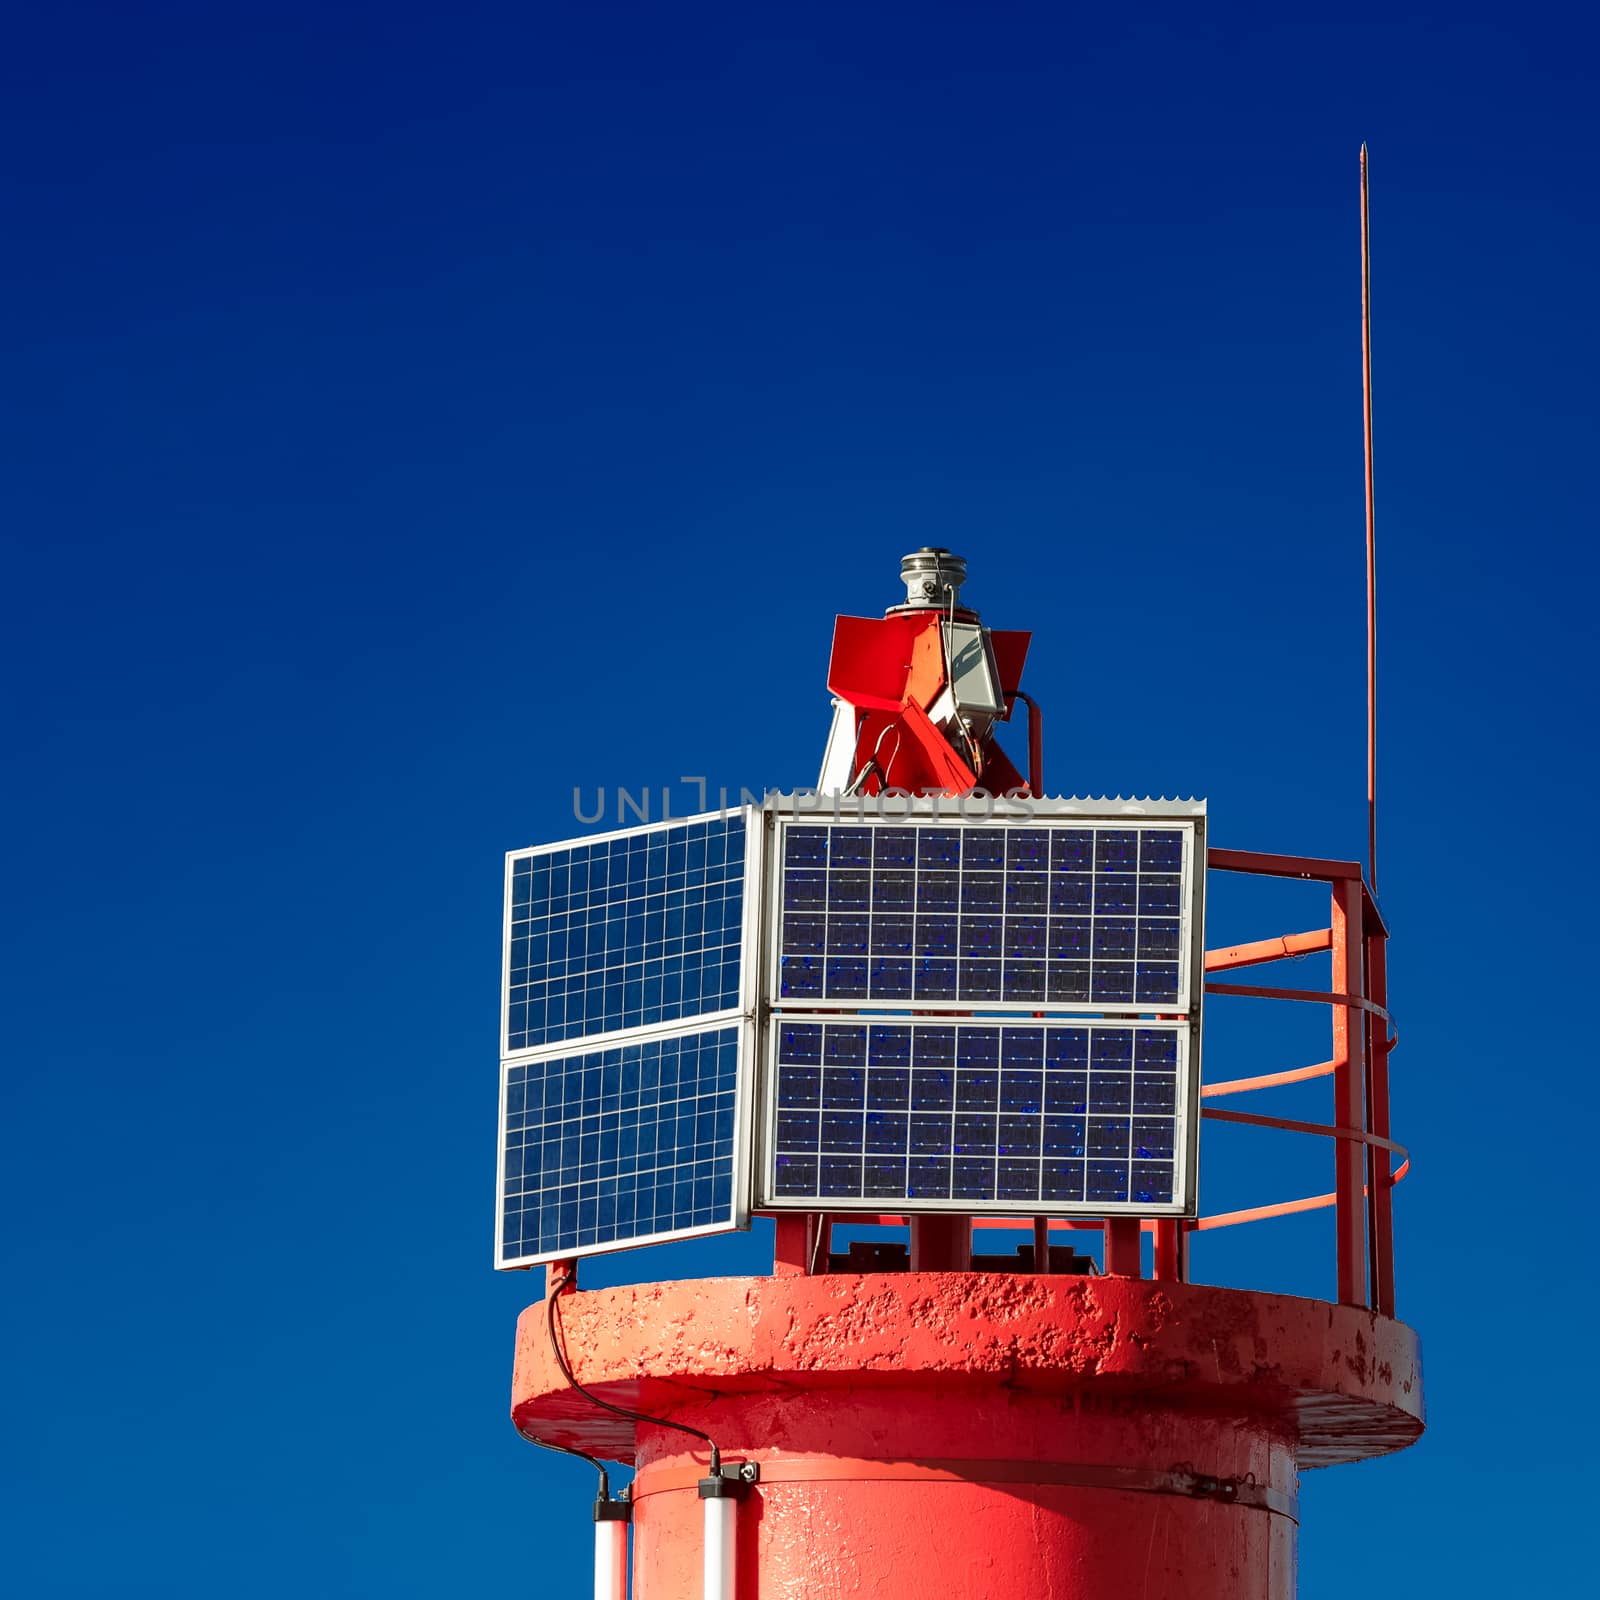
(1341, 1381)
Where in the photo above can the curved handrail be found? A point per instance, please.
(1281, 1208)
(1267, 1080)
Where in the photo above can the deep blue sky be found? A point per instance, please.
(412, 413)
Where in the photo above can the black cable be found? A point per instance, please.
(605, 1405)
(604, 1491)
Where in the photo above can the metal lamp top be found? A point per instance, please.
(933, 577)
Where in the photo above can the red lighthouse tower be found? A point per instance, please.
(917, 1414)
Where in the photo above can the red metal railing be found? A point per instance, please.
(1363, 1036)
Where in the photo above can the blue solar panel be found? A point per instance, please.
(1025, 1116)
(628, 931)
(1037, 914)
(614, 1147)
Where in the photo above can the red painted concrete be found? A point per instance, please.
(945, 1435)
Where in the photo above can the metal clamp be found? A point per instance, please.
(731, 1481)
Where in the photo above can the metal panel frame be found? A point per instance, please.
(1186, 1117)
(744, 1018)
(1191, 932)
(1196, 1020)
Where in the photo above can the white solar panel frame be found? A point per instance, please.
(744, 1017)
(1185, 817)
(1184, 1202)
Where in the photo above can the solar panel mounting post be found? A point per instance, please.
(1171, 1253)
(941, 1244)
(1123, 1247)
(791, 1243)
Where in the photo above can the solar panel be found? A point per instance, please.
(627, 1037)
(627, 930)
(1018, 1116)
(620, 1146)
(1059, 913)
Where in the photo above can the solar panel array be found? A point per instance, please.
(992, 1016)
(620, 1099)
(1010, 1115)
(1011, 915)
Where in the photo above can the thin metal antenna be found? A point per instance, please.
(1372, 570)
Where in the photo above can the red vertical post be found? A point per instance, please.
(1349, 1094)
(1380, 1191)
(1123, 1257)
(791, 1244)
(941, 1244)
(1171, 1254)
(559, 1273)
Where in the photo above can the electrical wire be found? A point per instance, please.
(894, 755)
(565, 1282)
(873, 765)
(604, 1491)
(856, 783)
(816, 1246)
